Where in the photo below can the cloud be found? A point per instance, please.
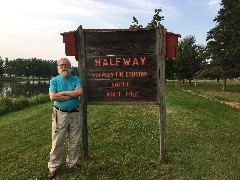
(108, 15)
(214, 2)
(213, 6)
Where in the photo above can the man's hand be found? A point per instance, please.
(78, 90)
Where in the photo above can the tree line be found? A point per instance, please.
(34, 68)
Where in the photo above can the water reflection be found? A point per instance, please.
(26, 88)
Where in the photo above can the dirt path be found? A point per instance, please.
(232, 104)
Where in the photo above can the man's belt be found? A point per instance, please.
(69, 111)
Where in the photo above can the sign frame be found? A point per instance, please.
(82, 57)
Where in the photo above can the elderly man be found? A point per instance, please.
(65, 90)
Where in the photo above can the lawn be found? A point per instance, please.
(203, 139)
(213, 89)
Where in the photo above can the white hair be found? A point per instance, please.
(64, 59)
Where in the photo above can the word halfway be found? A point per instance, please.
(116, 61)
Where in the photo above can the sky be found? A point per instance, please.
(31, 28)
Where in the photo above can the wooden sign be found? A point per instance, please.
(121, 65)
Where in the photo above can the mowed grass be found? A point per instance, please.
(203, 141)
(213, 89)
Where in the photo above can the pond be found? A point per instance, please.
(25, 88)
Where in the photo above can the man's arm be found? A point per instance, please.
(65, 95)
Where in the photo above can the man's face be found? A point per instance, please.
(64, 68)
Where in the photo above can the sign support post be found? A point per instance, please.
(81, 58)
(161, 89)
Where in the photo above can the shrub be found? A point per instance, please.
(5, 105)
(8, 104)
(19, 103)
(40, 98)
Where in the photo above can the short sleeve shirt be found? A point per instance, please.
(59, 84)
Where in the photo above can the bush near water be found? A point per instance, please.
(8, 104)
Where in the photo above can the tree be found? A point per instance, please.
(209, 71)
(53, 68)
(18, 65)
(156, 19)
(135, 24)
(27, 68)
(8, 67)
(224, 40)
(189, 58)
(30, 67)
(171, 69)
(1, 66)
(154, 23)
(75, 71)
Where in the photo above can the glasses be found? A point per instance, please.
(63, 65)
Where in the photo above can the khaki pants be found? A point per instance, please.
(62, 123)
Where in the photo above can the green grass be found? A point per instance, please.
(204, 137)
(203, 141)
(212, 89)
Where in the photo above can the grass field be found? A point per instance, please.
(203, 139)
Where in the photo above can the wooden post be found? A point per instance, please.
(81, 58)
(161, 87)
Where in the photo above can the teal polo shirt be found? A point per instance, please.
(59, 84)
